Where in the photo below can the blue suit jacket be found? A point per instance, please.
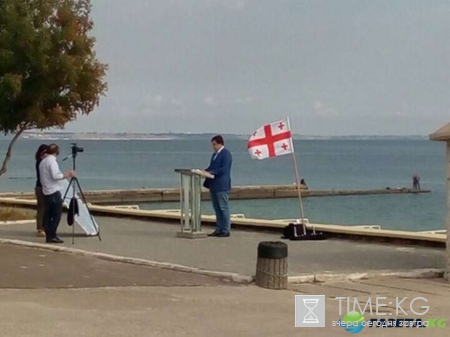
(221, 169)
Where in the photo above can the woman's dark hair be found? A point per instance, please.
(40, 151)
(218, 139)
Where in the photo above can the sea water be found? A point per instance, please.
(324, 164)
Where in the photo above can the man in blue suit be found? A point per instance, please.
(219, 187)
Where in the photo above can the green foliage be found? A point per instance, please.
(49, 72)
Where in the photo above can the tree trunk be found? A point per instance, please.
(447, 217)
(8, 153)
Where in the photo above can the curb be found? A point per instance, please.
(18, 222)
(411, 274)
(232, 277)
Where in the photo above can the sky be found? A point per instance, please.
(347, 67)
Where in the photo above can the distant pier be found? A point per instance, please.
(237, 193)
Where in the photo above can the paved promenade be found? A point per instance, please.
(57, 294)
(24, 268)
(157, 241)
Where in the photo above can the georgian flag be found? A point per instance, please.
(271, 140)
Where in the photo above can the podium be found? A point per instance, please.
(190, 202)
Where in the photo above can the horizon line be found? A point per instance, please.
(212, 133)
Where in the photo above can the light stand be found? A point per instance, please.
(75, 183)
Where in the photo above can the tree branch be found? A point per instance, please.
(8, 153)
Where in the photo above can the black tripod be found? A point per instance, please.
(73, 205)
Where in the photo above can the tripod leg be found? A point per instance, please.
(83, 198)
(72, 183)
(68, 187)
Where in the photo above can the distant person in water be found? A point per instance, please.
(303, 183)
(416, 182)
(40, 154)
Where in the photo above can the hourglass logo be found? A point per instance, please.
(310, 311)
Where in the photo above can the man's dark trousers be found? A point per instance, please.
(53, 212)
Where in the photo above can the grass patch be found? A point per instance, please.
(13, 214)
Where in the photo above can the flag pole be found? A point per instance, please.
(297, 178)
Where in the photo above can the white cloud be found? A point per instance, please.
(322, 110)
(245, 100)
(159, 101)
(400, 113)
(235, 5)
(176, 102)
(240, 5)
(210, 101)
(152, 100)
(157, 104)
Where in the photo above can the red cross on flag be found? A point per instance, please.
(271, 140)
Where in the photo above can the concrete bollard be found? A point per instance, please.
(271, 266)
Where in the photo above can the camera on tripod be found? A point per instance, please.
(75, 149)
(76, 209)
